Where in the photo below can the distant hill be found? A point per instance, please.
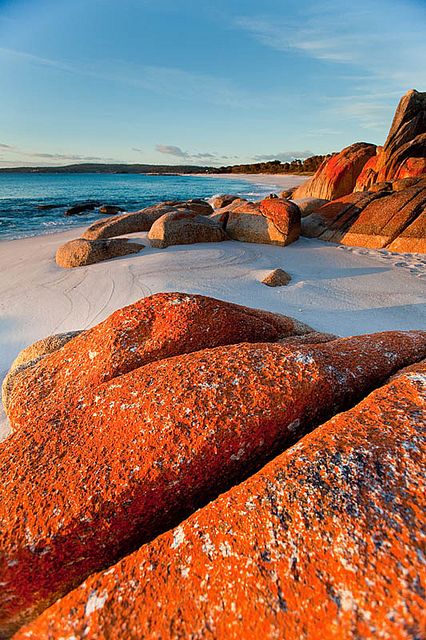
(310, 165)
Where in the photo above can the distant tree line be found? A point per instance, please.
(309, 165)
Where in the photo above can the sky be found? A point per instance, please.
(210, 82)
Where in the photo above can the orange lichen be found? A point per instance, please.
(323, 542)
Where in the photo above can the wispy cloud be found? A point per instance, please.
(381, 44)
(285, 156)
(5, 146)
(166, 81)
(171, 150)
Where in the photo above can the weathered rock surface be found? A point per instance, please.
(380, 219)
(137, 221)
(222, 201)
(32, 354)
(271, 221)
(309, 205)
(276, 278)
(77, 209)
(323, 542)
(82, 252)
(404, 153)
(337, 175)
(110, 209)
(140, 438)
(184, 227)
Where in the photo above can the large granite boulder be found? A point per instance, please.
(379, 219)
(82, 252)
(139, 221)
(337, 176)
(323, 542)
(309, 205)
(184, 227)
(271, 221)
(404, 153)
(137, 422)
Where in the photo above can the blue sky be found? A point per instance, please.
(201, 82)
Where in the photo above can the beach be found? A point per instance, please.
(337, 289)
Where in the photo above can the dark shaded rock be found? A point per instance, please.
(110, 209)
(77, 209)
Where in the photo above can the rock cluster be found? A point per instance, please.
(363, 182)
(395, 220)
(132, 425)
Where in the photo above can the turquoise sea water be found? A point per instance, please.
(20, 193)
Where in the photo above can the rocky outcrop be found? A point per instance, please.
(139, 221)
(322, 542)
(380, 219)
(110, 209)
(337, 175)
(184, 227)
(82, 252)
(404, 153)
(135, 423)
(276, 278)
(271, 221)
(30, 356)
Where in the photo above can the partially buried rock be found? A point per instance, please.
(110, 209)
(82, 252)
(323, 542)
(277, 278)
(309, 205)
(32, 355)
(184, 227)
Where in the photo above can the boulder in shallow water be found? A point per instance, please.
(82, 252)
(110, 209)
(82, 207)
(222, 201)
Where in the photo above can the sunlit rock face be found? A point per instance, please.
(404, 153)
(337, 175)
(323, 542)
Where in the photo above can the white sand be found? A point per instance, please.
(279, 182)
(336, 289)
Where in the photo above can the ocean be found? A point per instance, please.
(21, 193)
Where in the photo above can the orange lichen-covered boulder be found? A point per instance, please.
(270, 221)
(323, 542)
(404, 153)
(108, 462)
(336, 177)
